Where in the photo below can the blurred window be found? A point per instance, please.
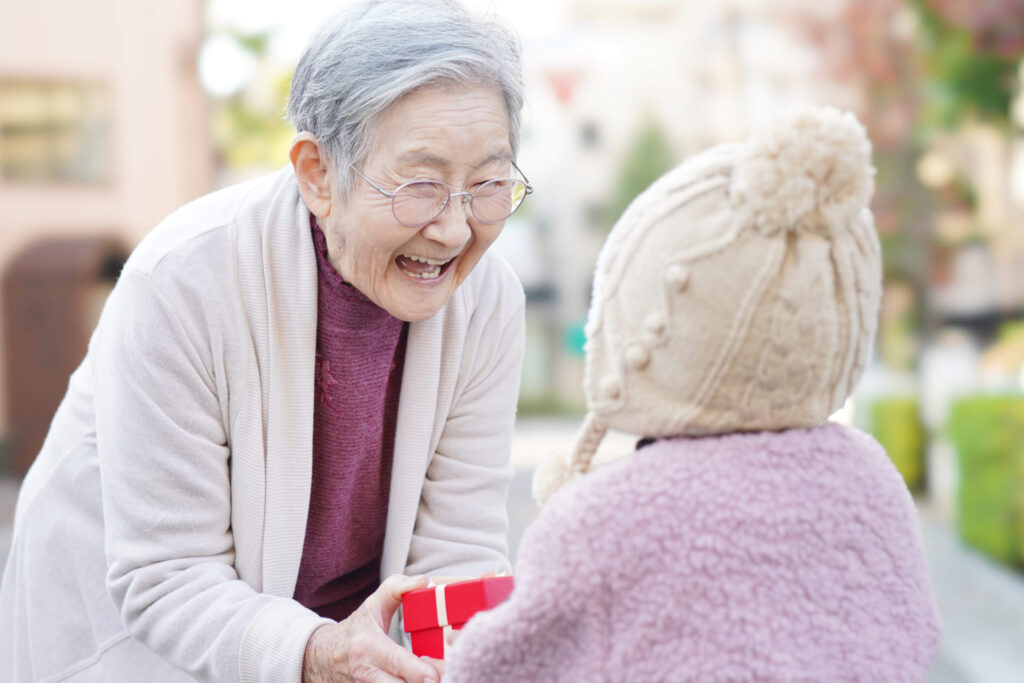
(53, 131)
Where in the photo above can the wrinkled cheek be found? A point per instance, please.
(377, 272)
(365, 274)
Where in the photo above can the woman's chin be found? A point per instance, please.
(415, 314)
(417, 303)
(420, 298)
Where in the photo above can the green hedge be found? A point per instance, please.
(896, 423)
(988, 435)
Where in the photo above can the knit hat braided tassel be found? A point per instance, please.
(555, 472)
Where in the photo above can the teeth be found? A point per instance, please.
(428, 261)
(429, 275)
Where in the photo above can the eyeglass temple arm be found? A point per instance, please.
(529, 187)
(376, 186)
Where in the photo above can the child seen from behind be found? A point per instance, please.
(734, 307)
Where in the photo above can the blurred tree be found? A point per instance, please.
(648, 158)
(250, 132)
(970, 51)
(874, 57)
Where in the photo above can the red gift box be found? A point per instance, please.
(431, 613)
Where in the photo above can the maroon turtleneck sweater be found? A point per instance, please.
(360, 350)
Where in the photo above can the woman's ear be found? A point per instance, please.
(312, 171)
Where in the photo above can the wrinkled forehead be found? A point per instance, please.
(424, 126)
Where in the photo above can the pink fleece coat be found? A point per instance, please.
(770, 556)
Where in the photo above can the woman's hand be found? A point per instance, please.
(359, 649)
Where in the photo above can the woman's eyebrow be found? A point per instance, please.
(430, 159)
(424, 158)
(497, 156)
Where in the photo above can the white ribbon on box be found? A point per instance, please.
(442, 615)
(442, 607)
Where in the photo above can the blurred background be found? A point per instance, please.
(115, 112)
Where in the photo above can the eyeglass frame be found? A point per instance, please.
(469, 196)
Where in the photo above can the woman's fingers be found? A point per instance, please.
(384, 656)
(436, 663)
(372, 657)
(381, 677)
(438, 580)
(359, 649)
(374, 654)
(386, 600)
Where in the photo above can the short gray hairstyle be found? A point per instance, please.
(376, 51)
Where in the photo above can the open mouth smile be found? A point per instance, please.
(422, 268)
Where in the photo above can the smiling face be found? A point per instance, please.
(460, 137)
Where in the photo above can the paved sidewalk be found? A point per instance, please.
(982, 606)
(981, 602)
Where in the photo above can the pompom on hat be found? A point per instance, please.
(739, 292)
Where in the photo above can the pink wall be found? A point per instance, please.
(144, 53)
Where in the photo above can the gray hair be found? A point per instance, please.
(376, 51)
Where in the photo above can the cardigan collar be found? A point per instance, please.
(277, 275)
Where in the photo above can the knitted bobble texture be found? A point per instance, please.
(811, 172)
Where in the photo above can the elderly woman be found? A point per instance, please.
(300, 385)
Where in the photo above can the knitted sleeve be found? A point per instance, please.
(553, 627)
(164, 458)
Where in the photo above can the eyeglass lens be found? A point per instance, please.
(420, 202)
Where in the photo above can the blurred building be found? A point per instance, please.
(103, 124)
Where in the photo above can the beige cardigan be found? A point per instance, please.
(193, 413)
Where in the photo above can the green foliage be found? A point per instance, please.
(1011, 332)
(897, 341)
(649, 157)
(988, 434)
(249, 129)
(250, 132)
(895, 422)
(965, 81)
(256, 43)
(548, 404)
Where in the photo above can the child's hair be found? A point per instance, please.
(738, 293)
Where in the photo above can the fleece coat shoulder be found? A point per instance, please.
(767, 556)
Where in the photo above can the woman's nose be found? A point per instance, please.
(452, 227)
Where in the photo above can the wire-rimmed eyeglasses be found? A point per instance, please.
(418, 202)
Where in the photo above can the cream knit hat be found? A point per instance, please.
(738, 293)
